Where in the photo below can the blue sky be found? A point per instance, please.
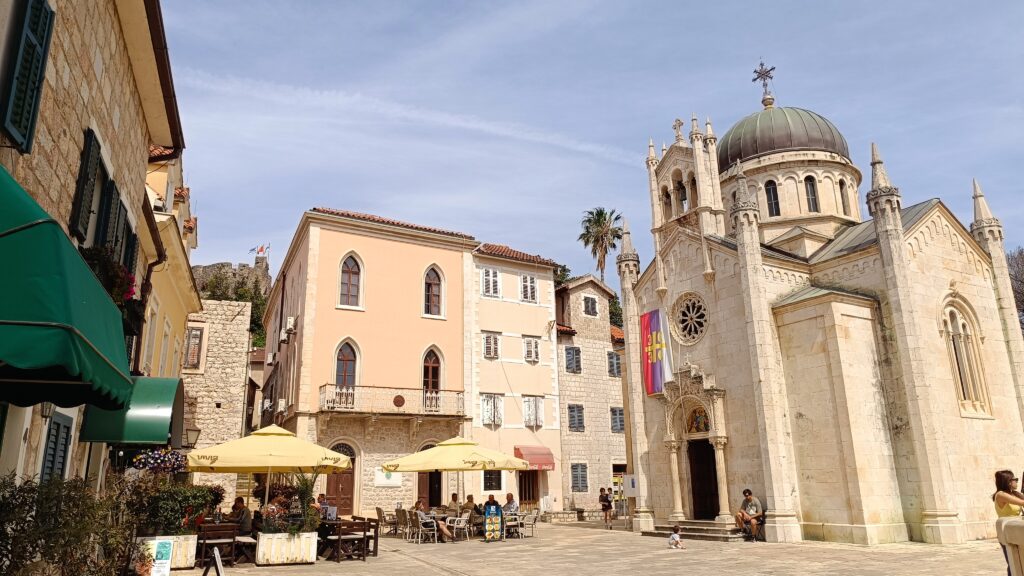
(508, 120)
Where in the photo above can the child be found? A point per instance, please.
(675, 541)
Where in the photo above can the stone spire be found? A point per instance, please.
(883, 194)
(707, 125)
(650, 149)
(694, 125)
(664, 148)
(981, 210)
(879, 177)
(627, 239)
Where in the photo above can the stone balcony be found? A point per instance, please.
(391, 401)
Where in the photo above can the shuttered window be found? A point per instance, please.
(533, 411)
(573, 365)
(528, 288)
(618, 420)
(193, 347)
(22, 106)
(491, 346)
(614, 366)
(492, 407)
(590, 306)
(579, 478)
(531, 349)
(91, 177)
(58, 441)
(491, 283)
(576, 423)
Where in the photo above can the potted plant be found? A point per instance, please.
(289, 541)
(174, 512)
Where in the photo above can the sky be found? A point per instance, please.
(507, 120)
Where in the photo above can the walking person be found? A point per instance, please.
(606, 507)
(1007, 503)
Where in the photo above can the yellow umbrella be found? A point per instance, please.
(456, 455)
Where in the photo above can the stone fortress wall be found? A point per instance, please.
(259, 271)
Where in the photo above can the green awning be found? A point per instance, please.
(154, 415)
(61, 336)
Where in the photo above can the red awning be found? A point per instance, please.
(539, 457)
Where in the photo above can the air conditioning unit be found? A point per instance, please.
(270, 359)
(282, 405)
(283, 337)
(290, 325)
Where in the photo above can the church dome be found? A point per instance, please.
(778, 130)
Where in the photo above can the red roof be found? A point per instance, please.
(617, 334)
(390, 222)
(158, 153)
(563, 329)
(502, 251)
(258, 355)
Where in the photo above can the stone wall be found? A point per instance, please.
(597, 447)
(258, 272)
(89, 83)
(215, 395)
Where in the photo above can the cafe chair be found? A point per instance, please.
(460, 524)
(387, 521)
(217, 536)
(373, 534)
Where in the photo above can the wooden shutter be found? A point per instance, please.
(529, 411)
(131, 251)
(22, 106)
(538, 410)
(88, 171)
(487, 409)
(490, 346)
(109, 215)
(193, 347)
(58, 440)
(499, 409)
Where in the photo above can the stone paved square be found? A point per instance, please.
(581, 550)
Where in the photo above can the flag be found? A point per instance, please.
(655, 354)
(254, 250)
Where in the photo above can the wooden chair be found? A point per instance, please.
(217, 536)
(404, 527)
(353, 533)
(373, 533)
(387, 521)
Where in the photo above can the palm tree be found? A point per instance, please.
(601, 230)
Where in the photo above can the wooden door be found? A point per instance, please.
(529, 492)
(423, 488)
(703, 479)
(341, 492)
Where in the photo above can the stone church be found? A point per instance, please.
(860, 371)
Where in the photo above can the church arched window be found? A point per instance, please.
(771, 197)
(666, 204)
(964, 350)
(681, 194)
(844, 198)
(811, 187)
(694, 200)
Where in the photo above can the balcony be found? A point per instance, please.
(394, 401)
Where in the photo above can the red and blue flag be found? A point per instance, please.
(655, 354)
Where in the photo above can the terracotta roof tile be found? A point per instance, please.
(258, 355)
(563, 329)
(617, 334)
(182, 193)
(502, 251)
(158, 153)
(390, 222)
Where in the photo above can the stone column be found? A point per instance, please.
(724, 514)
(677, 489)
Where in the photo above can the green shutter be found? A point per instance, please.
(106, 216)
(22, 106)
(131, 246)
(81, 211)
(117, 245)
(58, 442)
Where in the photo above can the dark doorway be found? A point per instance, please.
(703, 479)
(341, 487)
(529, 490)
(429, 488)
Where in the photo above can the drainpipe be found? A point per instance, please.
(147, 282)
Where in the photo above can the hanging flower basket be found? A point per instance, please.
(162, 460)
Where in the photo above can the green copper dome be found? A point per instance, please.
(777, 130)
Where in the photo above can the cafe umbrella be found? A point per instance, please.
(267, 450)
(456, 455)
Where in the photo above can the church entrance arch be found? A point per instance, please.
(703, 479)
(341, 486)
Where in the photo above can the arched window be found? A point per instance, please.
(350, 282)
(811, 186)
(694, 201)
(681, 194)
(345, 374)
(843, 198)
(666, 204)
(771, 197)
(431, 382)
(964, 359)
(432, 293)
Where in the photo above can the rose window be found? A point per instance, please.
(689, 318)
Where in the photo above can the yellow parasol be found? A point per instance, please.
(270, 449)
(456, 455)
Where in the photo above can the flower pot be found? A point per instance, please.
(284, 548)
(184, 553)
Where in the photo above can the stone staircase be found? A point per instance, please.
(699, 530)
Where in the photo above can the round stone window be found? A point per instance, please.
(689, 318)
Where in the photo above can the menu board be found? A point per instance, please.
(161, 550)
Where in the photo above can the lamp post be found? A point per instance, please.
(47, 409)
(191, 437)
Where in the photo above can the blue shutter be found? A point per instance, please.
(22, 105)
(131, 251)
(88, 172)
(58, 440)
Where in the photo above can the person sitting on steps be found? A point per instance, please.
(750, 513)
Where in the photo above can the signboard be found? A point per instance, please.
(217, 565)
(161, 550)
(384, 479)
(629, 485)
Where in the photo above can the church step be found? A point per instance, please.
(697, 535)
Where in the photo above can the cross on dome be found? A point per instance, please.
(764, 75)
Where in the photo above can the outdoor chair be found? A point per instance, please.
(373, 529)
(387, 521)
(350, 533)
(217, 536)
(528, 522)
(246, 545)
(420, 531)
(513, 523)
(748, 535)
(458, 524)
(404, 524)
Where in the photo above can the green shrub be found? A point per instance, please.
(174, 508)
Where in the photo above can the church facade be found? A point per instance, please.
(859, 370)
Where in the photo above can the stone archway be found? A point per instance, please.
(341, 486)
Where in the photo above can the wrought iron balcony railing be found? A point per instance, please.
(385, 400)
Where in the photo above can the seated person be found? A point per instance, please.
(492, 506)
(428, 522)
(675, 540)
(240, 513)
(476, 513)
(750, 513)
(454, 506)
(510, 507)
